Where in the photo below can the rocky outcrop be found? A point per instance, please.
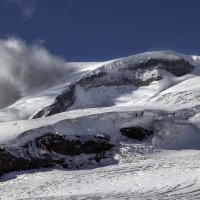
(52, 149)
(10, 162)
(71, 145)
(136, 132)
(61, 103)
(179, 67)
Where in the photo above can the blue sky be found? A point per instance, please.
(94, 30)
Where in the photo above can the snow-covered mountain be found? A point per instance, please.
(119, 111)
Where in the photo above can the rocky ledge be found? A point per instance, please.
(51, 149)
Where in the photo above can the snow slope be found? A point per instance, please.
(169, 175)
(103, 96)
(24, 109)
(155, 91)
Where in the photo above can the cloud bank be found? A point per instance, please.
(25, 69)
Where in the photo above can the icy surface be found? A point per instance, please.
(164, 175)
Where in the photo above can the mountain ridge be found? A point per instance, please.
(147, 103)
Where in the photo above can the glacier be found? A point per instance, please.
(68, 141)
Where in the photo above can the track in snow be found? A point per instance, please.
(171, 175)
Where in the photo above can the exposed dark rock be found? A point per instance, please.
(179, 67)
(61, 103)
(52, 149)
(120, 80)
(136, 132)
(90, 79)
(72, 145)
(10, 162)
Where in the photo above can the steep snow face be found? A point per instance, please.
(133, 80)
(184, 94)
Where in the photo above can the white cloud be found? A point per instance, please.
(25, 69)
(28, 7)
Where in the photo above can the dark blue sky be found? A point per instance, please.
(93, 30)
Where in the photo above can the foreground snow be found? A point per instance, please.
(161, 175)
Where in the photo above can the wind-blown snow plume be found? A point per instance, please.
(25, 69)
